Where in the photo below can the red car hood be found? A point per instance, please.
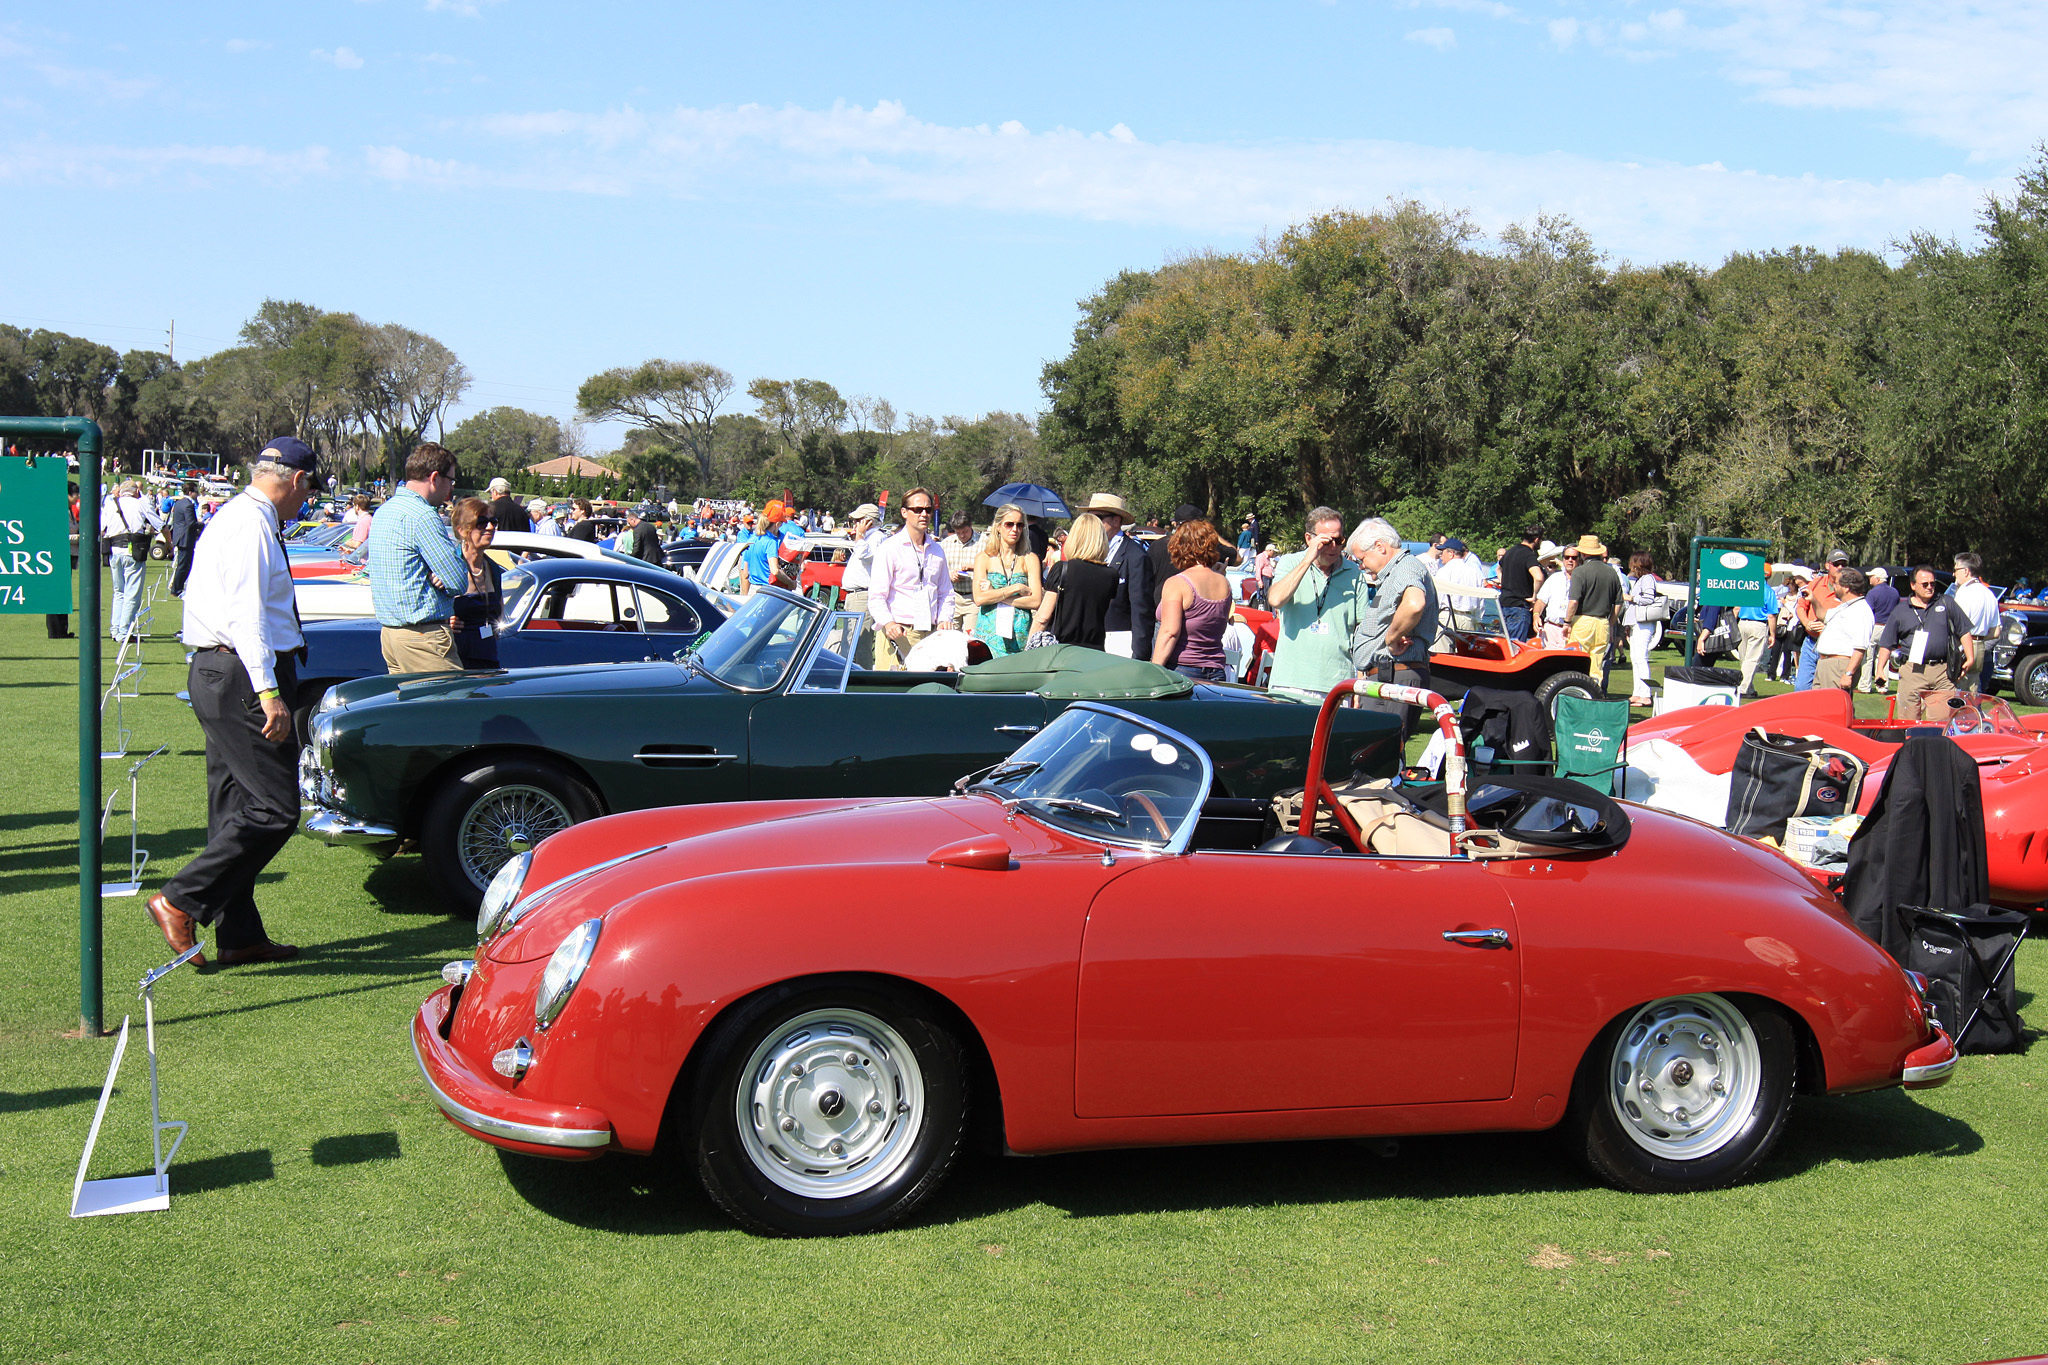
(719, 840)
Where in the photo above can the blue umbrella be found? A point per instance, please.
(1036, 501)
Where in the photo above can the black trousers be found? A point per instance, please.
(252, 799)
(181, 564)
(1405, 674)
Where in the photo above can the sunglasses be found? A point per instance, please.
(921, 511)
(1013, 526)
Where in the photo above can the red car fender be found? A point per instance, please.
(1770, 931)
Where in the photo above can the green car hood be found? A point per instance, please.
(568, 680)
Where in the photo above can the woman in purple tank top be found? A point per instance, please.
(1194, 605)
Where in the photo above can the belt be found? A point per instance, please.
(1928, 663)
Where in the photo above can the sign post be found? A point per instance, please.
(1725, 573)
(32, 500)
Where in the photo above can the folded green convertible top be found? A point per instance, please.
(1076, 673)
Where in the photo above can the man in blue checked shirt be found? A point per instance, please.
(416, 569)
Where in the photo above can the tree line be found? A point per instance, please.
(1392, 362)
(365, 394)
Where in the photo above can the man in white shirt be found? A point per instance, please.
(243, 630)
(1460, 570)
(128, 522)
(1980, 604)
(910, 589)
(543, 522)
(1845, 637)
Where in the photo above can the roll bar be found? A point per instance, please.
(1317, 787)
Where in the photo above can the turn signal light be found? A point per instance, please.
(514, 1061)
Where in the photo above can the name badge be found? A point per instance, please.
(1918, 654)
(1321, 627)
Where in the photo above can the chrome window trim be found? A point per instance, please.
(1182, 836)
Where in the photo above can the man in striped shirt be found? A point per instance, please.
(416, 570)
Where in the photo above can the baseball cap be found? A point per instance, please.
(293, 453)
(1838, 557)
(1187, 511)
(500, 485)
(867, 511)
(1453, 543)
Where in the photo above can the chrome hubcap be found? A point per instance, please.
(830, 1104)
(506, 821)
(1684, 1076)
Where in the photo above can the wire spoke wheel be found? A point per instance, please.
(503, 822)
(1683, 1076)
(830, 1104)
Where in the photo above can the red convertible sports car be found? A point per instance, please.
(1681, 761)
(816, 1002)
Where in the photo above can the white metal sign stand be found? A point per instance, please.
(133, 1193)
(138, 856)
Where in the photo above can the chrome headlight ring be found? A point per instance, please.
(558, 980)
(501, 895)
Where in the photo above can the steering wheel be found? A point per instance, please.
(1150, 808)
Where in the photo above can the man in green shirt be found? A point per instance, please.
(1595, 599)
(1316, 599)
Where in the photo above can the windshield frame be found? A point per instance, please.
(1183, 834)
(800, 654)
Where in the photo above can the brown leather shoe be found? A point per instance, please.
(265, 951)
(179, 928)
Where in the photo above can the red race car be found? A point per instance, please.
(1681, 761)
(1088, 946)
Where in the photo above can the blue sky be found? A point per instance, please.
(908, 200)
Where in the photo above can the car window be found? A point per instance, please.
(662, 614)
(576, 604)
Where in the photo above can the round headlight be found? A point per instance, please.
(501, 894)
(2015, 631)
(564, 970)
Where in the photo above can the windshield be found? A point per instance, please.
(1107, 775)
(1973, 713)
(754, 648)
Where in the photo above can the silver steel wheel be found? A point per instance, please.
(505, 822)
(830, 1104)
(1684, 1075)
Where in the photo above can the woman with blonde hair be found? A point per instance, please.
(1194, 605)
(1075, 602)
(1006, 584)
(477, 604)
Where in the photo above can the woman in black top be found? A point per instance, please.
(1079, 588)
(477, 605)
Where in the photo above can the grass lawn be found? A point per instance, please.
(323, 1211)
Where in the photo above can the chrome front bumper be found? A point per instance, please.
(481, 1106)
(332, 827)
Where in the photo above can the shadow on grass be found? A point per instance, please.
(659, 1196)
(404, 957)
(218, 1172)
(20, 1103)
(354, 1148)
(635, 1196)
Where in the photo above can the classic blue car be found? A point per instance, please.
(555, 611)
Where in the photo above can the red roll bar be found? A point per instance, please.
(1317, 787)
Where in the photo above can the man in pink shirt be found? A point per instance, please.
(910, 585)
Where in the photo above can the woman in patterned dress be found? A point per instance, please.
(1006, 584)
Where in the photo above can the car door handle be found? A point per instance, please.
(1477, 938)
(682, 756)
(1018, 729)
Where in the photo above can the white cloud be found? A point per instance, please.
(1963, 72)
(847, 153)
(343, 58)
(108, 167)
(1439, 38)
(1491, 8)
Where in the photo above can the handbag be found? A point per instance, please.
(1779, 776)
(1652, 609)
(1719, 640)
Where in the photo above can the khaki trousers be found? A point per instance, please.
(1924, 690)
(1752, 638)
(1590, 633)
(1833, 671)
(426, 648)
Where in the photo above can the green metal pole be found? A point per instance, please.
(85, 434)
(90, 1009)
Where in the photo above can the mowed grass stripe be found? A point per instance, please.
(323, 1211)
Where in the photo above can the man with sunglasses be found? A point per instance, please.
(416, 569)
(1930, 636)
(911, 585)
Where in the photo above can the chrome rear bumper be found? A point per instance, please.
(331, 827)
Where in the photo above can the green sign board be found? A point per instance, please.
(1730, 578)
(35, 536)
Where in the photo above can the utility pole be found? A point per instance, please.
(171, 345)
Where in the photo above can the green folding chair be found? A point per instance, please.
(1591, 740)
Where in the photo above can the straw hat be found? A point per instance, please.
(1589, 544)
(1107, 502)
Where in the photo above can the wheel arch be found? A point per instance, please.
(985, 1117)
(431, 782)
(1813, 1071)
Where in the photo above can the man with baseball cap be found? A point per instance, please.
(865, 528)
(243, 629)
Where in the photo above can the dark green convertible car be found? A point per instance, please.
(477, 767)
